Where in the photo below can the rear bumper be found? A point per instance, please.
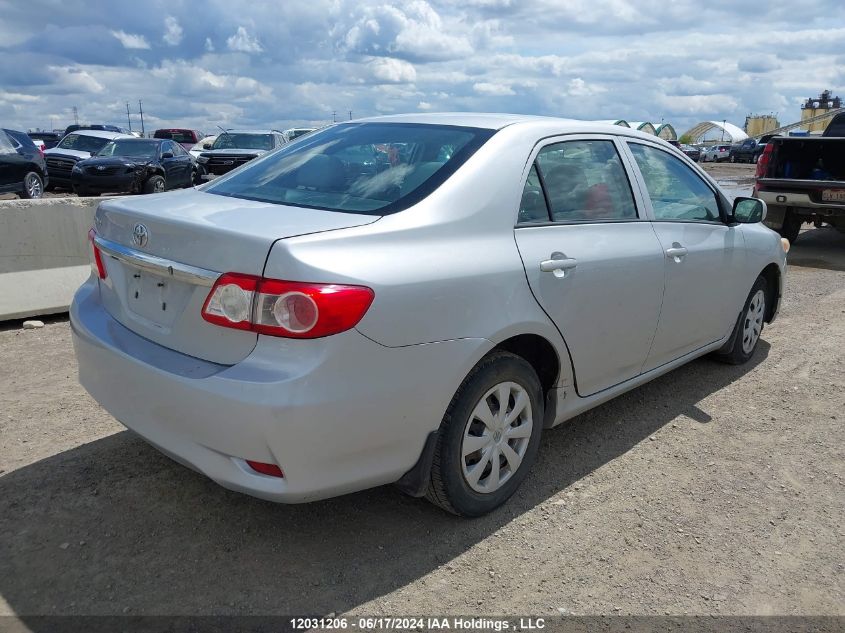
(337, 414)
(800, 201)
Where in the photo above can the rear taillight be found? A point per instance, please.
(265, 469)
(285, 308)
(96, 256)
(764, 160)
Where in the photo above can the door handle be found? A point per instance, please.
(676, 252)
(559, 264)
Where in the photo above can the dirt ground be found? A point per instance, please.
(712, 490)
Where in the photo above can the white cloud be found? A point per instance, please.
(579, 88)
(172, 31)
(209, 45)
(243, 42)
(493, 90)
(130, 40)
(392, 70)
(424, 105)
(72, 79)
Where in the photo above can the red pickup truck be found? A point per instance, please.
(802, 179)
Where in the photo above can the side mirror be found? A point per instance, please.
(166, 155)
(207, 145)
(749, 210)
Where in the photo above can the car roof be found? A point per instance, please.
(102, 134)
(250, 132)
(533, 124)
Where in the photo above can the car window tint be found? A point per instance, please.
(6, 146)
(585, 181)
(532, 206)
(676, 192)
(375, 168)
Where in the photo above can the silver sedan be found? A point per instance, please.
(414, 300)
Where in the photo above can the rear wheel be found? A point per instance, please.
(791, 227)
(155, 184)
(33, 186)
(488, 437)
(748, 327)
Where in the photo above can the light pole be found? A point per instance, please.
(723, 129)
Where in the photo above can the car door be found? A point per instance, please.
(13, 166)
(172, 168)
(185, 164)
(593, 262)
(703, 256)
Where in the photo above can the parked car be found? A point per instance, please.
(135, 165)
(73, 148)
(748, 151)
(692, 152)
(186, 138)
(22, 167)
(321, 321)
(234, 148)
(205, 143)
(296, 132)
(96, 126)
(49, 139)
(716, 153)
(802, 179)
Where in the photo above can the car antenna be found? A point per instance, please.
(224, 131)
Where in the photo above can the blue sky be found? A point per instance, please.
(294, 62)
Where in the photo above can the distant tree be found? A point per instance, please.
(686, 139)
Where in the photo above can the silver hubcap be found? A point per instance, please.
(753, 321)
(33, 186)
(496, 437)
(159, 185)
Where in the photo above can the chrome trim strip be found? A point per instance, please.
(157, 265)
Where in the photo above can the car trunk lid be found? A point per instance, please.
(163, 252)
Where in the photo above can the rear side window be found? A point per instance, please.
(585, 182)
(370, 168)
(83, 143)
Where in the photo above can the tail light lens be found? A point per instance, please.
(285, 308)
(96, 256)
(764, 160)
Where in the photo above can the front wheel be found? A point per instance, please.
(155, 184)
(33, 186)
(488, 437)
(749, 326)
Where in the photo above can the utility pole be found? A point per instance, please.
(128, 119)
(141, 112)
(334, 116)
(350, 115)
(75, 115)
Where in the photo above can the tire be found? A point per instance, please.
(33, 186)
(791, 227)
(196, 178)
(749, 326)
(451, 475)
(155, 184)
(733, 159)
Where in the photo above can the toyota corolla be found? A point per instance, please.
(414, 300)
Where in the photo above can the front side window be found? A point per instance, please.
(372, 168)
(676, 192)
(586, 182)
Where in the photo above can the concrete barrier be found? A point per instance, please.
(43, 254)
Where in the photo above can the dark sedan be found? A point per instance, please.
(693, 152)
(135, 166)
(22, 167)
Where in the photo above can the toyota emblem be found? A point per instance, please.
(100, 167)
(140, 235)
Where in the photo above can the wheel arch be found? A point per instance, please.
(772, 275)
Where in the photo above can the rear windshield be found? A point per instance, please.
(244, 141)
(370, 168)
(83, 143)
(130, 148)
(180, 136)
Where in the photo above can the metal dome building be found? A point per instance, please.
(642, 126)
(666, 132)
(732, 133)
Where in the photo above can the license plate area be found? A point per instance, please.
(155, 298)
(833, 195)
